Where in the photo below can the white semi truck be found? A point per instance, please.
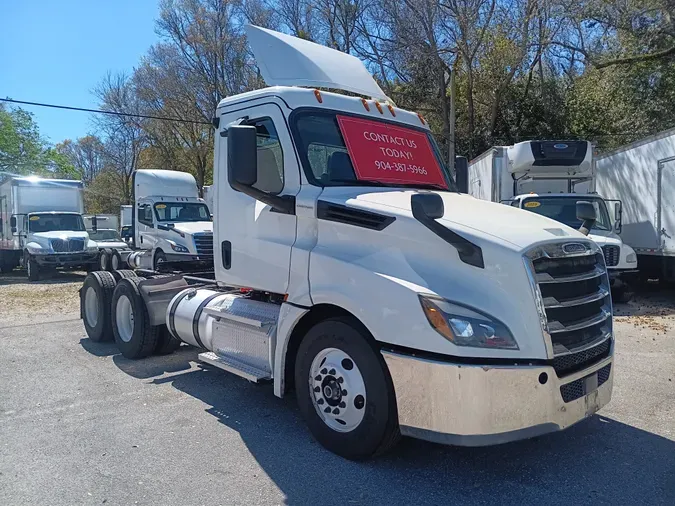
(548, 178)
(169, 220)
(349, 269)
(41, 226)
(642, 175)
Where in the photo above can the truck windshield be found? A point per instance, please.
(182, 211)
(564, 210)
(341, 150)
(55, 222)
(103, 235)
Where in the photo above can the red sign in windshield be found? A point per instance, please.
(388, 154)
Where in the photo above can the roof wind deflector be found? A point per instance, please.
(426, 208)
(284, 60)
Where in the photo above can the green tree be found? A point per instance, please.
(24, 151)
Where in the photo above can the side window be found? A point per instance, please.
(270, 157)
(145, 214)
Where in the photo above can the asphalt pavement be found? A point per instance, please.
(80, 424)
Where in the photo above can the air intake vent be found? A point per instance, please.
(350, 216)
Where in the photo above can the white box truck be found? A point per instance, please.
(349, 269)
(642, 175)
(41, 226)
(548, 178)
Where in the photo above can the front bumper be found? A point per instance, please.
(66, 259)
(473, 405)
(188, 257)
(615, 273)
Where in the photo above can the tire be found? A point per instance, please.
(104, 260)
(166, 343)
(123, 274)
(134, 335)
(377, 430)
(32, 269)
(160, 257)
(102, 286)
(115, 260)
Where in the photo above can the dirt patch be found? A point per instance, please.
(55, 297)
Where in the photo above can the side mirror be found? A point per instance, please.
(163, 227)
(94, 224)
(586, 213)
(12, 224)
(242, 156)
(462, 174)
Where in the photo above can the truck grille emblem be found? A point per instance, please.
(574, 247)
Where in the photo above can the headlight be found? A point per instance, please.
(92, 246)
(37, 249)
(631, 258)
(178, 248)
(466, 327)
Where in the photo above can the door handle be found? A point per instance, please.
(226, 251)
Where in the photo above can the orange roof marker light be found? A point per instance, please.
(365, 104)
(318, 96)
(379, 107)
(421, 118)
(391, 110)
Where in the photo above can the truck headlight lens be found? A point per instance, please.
(37, 249)
(631, 258)
(178, 248)
(466, 327)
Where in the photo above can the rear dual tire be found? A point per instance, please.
(95, 298)
(109, 260)
(135, 337)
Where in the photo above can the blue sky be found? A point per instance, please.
(57, 51)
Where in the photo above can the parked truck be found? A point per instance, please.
(103, 229)
(642, 175)
(169, 220)
(349, 269)
(41, 226)
(548, 178)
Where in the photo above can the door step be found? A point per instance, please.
(248, 372)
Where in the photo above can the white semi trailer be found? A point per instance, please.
(41, 226)
(349, 269)
(642, 175)
(548, 178)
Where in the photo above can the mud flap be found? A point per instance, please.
(157, 293)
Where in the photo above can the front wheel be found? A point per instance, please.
(344, 390)
(32, 269)
(160, 258)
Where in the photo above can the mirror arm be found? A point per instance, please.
(284, 204)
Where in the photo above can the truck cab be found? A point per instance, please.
(170, 220)
(56, 239)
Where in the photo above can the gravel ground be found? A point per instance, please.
(79, 424)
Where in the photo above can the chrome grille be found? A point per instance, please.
(611, 255)
(204, 244)
(577, 312)
(67, 245)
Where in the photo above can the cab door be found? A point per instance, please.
(145, 225)
(253, 241)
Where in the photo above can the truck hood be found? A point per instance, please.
(60, 234)
(515, 228)
(194, 227)
(604, 238)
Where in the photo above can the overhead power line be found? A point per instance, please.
(99, 111)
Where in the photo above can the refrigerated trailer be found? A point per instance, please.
(41, 226)
(642, 175)
(349, 269)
